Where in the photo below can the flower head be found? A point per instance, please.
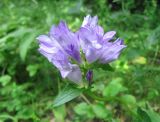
(61, 46)
(58, 47)
(95, 44)
(67, 39)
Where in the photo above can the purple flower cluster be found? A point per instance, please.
(61, 47)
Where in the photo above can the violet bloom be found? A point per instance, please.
(89, 76)
(95, 44)
(59, 47)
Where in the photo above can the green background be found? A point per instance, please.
(29, 83)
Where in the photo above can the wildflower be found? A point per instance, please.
(59, 47)
(89, 76)
(95, 44)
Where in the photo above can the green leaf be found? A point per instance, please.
(27, 113)
(153, 93)
(153, 37)
(67, 94)
(99, 74)
(32, 69)
(113, 89)
(25, 44)
(5, 116)
(5, 79)
(59, 113)
(148, 115)
(128, 100)
(100, 111)
(155, 117)
(105, 67)
(143, 116)
(83, 109)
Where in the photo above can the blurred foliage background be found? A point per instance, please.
(29, 83)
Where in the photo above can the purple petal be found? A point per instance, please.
(90, 44)
(91, 54)
(86, 20)
(96, 44)
(68, 40)
(47, 47)
(94, 21)
(89, 76)
(75, 75)
(58, 47)
(109, 35)
(61, 61)
(64, 73)
(111, 51)
(99, 30)
(87, 38)
(87, 34)
(47, 55)
(119, 41)
(67, 70)
(45, 40)
(54, 53)
(89, 21)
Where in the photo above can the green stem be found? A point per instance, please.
(155, 55)
(84, 97)
(94, 96)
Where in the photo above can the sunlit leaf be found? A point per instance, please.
(100, 111)
(128, 100)
(83, 109)
(113, 89)
(59, 113)
(32, 69)
(25, 44)
(5, 79)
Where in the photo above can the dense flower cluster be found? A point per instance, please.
(61, 47)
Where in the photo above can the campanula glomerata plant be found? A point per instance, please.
(76, 54)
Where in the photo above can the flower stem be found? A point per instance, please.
(94, 96)
(84, 97)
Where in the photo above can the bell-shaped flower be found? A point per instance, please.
(61, 46)
(110, 51)
(58, 47)
(67, 39)
(95, 44)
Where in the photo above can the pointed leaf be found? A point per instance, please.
(143, 116)
(67, 94)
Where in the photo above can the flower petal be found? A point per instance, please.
(89, 21)
(91, 54)
(111, 51)
(68, 40)
(75, 75)
(99, 30)
(109, 35)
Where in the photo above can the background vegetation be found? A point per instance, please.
(29, 83)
